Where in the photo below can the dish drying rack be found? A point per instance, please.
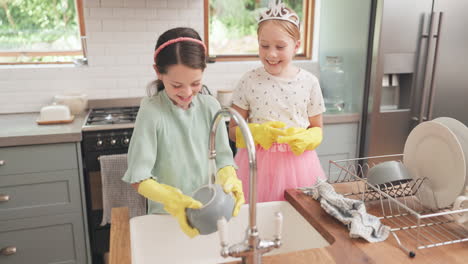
(398, 205)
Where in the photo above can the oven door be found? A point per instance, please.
(99, 235)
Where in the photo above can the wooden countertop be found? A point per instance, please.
(342, 249)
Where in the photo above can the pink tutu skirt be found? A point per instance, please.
(278, 169)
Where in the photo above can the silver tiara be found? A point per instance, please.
(277, 10)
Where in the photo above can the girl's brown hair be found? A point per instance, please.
(188, 53)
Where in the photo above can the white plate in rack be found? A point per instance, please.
(461, 132)
(433, 151)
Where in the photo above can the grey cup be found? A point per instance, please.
(388, 173)
(216, 204)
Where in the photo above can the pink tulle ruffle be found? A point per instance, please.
(278, 169)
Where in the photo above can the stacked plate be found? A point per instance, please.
(438, 151)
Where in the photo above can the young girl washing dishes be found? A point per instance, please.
(283, 105)
(168, 153)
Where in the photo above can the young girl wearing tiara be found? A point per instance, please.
(168, 153)
(283, 105)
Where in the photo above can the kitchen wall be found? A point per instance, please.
(121, 38)
(344, 27)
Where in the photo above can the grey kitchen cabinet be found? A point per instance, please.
(340, 141)
(42, 208)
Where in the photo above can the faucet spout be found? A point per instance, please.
(249, 142)
(253, 247)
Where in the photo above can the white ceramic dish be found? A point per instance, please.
(77, 102)
(461, 132)
(433, 151)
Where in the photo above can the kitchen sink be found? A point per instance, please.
(158, 238)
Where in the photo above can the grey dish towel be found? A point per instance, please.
(350, 212)
(115, 192)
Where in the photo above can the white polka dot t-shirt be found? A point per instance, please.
(270, 98)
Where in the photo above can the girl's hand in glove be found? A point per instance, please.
(227, 178)
(174, 201)
(301, 140)
(263, 134)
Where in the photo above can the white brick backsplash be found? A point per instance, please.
(112, 3)
(167, 14)
(93, 25)
(92, 3)
(178, 23)
(135, 3)
(157, 26)
(86, 12)
(132, 37)
(157, 3)
(197, 26)
(145, 13)
(177, 4)
(122, 13)
(100, 13)
(146, 59)
(127, 60)
(130, 49)
(190, 14)
(97, 49)
(135, 25)
(113, 25)
(97, 60)
(195, 4)
(101, 37)
(127, 84)
(121, 39)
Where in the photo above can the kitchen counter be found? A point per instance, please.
(342, 248)
(22, 129)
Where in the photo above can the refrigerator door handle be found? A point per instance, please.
(434, 65)
(422, 107)
(417, 70)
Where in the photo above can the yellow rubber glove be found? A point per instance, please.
(263, 134)
(174, 201)
(300, 140)
(227, 178)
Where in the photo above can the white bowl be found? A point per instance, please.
(77, 102)
(216, 204)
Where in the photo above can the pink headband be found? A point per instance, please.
(172, 41)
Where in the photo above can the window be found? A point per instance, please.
(38, 31)
(231, 27)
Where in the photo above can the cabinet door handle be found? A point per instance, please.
(6, 251)
(4, 197)
(2, 162)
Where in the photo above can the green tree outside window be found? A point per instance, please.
(233, 25)
(39, 31)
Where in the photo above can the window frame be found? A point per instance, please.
(82, 29)
(308, 24)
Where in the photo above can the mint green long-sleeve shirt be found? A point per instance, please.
(170, 144)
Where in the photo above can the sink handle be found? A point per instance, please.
(222, 231)
(278, 225)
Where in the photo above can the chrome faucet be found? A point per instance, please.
(252, 248)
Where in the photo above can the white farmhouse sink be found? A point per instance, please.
(158, 239)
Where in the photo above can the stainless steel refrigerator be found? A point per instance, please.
(417, 70)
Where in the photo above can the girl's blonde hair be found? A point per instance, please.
(288, 27)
